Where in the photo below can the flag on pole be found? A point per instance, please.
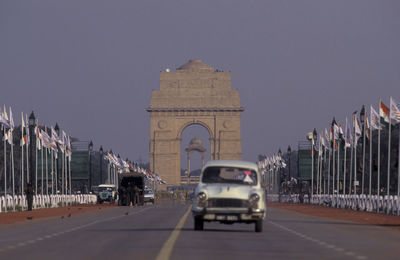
(384, 112)
(47, 141)
(38, 136)
(23, 137)
(5, 113)
(349, 137)
(357, 128)
(340, 130)
(9, 136)
(336, 131)
(394, 110)
(367, 134)
(11, 120)
(54, 135)
(4, 119)
(327, 136)
(322, 140)
(27, 130)
(375, 122)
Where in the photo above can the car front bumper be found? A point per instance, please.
(228, 214)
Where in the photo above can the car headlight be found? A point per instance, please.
(253, 200)
(201, 199)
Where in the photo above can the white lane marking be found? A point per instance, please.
(322, 243)
(38, 239)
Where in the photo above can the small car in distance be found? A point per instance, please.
(229, 192)
(148, 196)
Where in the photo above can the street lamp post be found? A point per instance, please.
(30, 191)
(101, 164)
(90, 165)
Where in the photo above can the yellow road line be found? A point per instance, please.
(166, 250)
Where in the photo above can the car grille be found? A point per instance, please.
(227, 203)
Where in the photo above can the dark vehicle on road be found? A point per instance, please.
(128, 182)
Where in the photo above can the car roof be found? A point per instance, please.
(230, 163)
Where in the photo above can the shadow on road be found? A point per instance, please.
(166, 230)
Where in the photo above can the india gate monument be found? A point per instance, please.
(196, 94)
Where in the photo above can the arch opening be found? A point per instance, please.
(195, 151)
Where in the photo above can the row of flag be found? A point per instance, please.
(127, 166)
(327, 143)
(386, 114)
(272, 162)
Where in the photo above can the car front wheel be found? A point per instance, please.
(198, 223)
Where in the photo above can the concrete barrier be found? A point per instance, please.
(370, 203)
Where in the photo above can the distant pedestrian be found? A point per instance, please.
(29, 196)
(136, 191)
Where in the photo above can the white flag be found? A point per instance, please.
(375, 120)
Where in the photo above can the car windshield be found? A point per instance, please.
(148, 192)
(229, 175)
(105, 189)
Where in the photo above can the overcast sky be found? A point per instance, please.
(90, 65)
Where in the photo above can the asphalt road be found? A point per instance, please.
(165, 231)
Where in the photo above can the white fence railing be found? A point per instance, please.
(19, 202)
(370, 203)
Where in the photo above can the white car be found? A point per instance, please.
(148, 196)
(229, 192)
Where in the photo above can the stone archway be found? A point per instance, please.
(195, 145)
(194, 94)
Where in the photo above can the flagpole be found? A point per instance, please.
(351, 165)
(379, 163)
(5, 169)
(52, 171)
(312, 167)
(41, 167)
(65, 173)
(47, 172)
(55, 170)
(363, 160)
(370, 161)
(27, 152)
(324, 173)
(344, 166)
(388, 170)
(333, 165)
(62, 173)
(70, 176)
(398, 173)
(329, 171)
(317, 192)
(320, 169)
(12, 170)
(355, 163)
(338, 167)
(22, 157)
(36, 163)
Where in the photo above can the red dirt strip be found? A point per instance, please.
(68, 211)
